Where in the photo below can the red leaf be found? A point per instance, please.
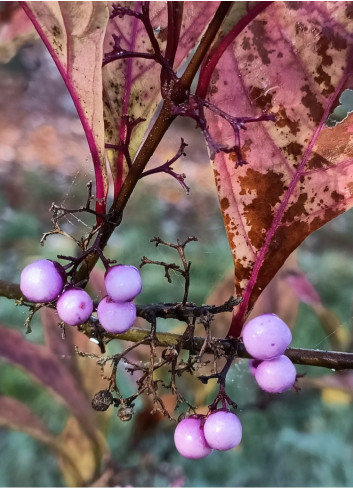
(61, 348)
(295, 60)
(73, 32)
(16, 415)
(16, 30)
(304, 290)
(44, 367)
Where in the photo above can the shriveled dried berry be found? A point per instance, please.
(125, 414)
(102, 400)
(169, 354)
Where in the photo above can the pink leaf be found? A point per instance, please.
(16, 415)
(304, 290)
(40, 363)
(85, 371)
(132, 86)
(15, 30)
(294, 60)
(63, 349)
(73, 32)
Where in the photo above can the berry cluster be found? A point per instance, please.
(116, 311)
(196, 436)
(46, 281)
(266, 338)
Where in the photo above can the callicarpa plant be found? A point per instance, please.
(260, 81)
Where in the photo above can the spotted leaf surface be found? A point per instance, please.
(132, 86)
(73, 32)
(294, 60)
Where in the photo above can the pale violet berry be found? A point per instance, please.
(116, 317)
(74, 306)
(190, 440)
(42, 280)
(276, 375)
(222, 430)
(266, 336)
(123, 283)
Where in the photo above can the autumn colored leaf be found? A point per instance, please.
(88, 375)
(73, 33)
(16, 30)
(331, 324)
(340, 382)
(17, 416)
(293, 60)
(81, 460)
(40, 363)
(60, 344)
(132, 86)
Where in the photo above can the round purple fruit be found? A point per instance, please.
(74, 306)
(276, 375)
(116, 317)
(190, 440)
(222, 430)
(42, 281)
(266, 336)
(123, 283)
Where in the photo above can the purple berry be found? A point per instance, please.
(253, 364)
(42, 281)
(190, 440)
(222, 430)
(123, 283)
(276, 375)
(266, 336)
(74, 306)
(116, 317)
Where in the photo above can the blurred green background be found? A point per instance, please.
(296, 439)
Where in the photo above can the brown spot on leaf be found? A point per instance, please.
(257, 27)
(328, 39)
(286, 239)
(309, 100)
(56, 31)
(336, 196)
(336, 143)
(316, 162)
(259, 212)
(324, 78)
(297, 209)
(300, 27)
(282, 120)
(293, 5)
(260, 98)
(246, 43)
(224, 204)
(294, 149)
